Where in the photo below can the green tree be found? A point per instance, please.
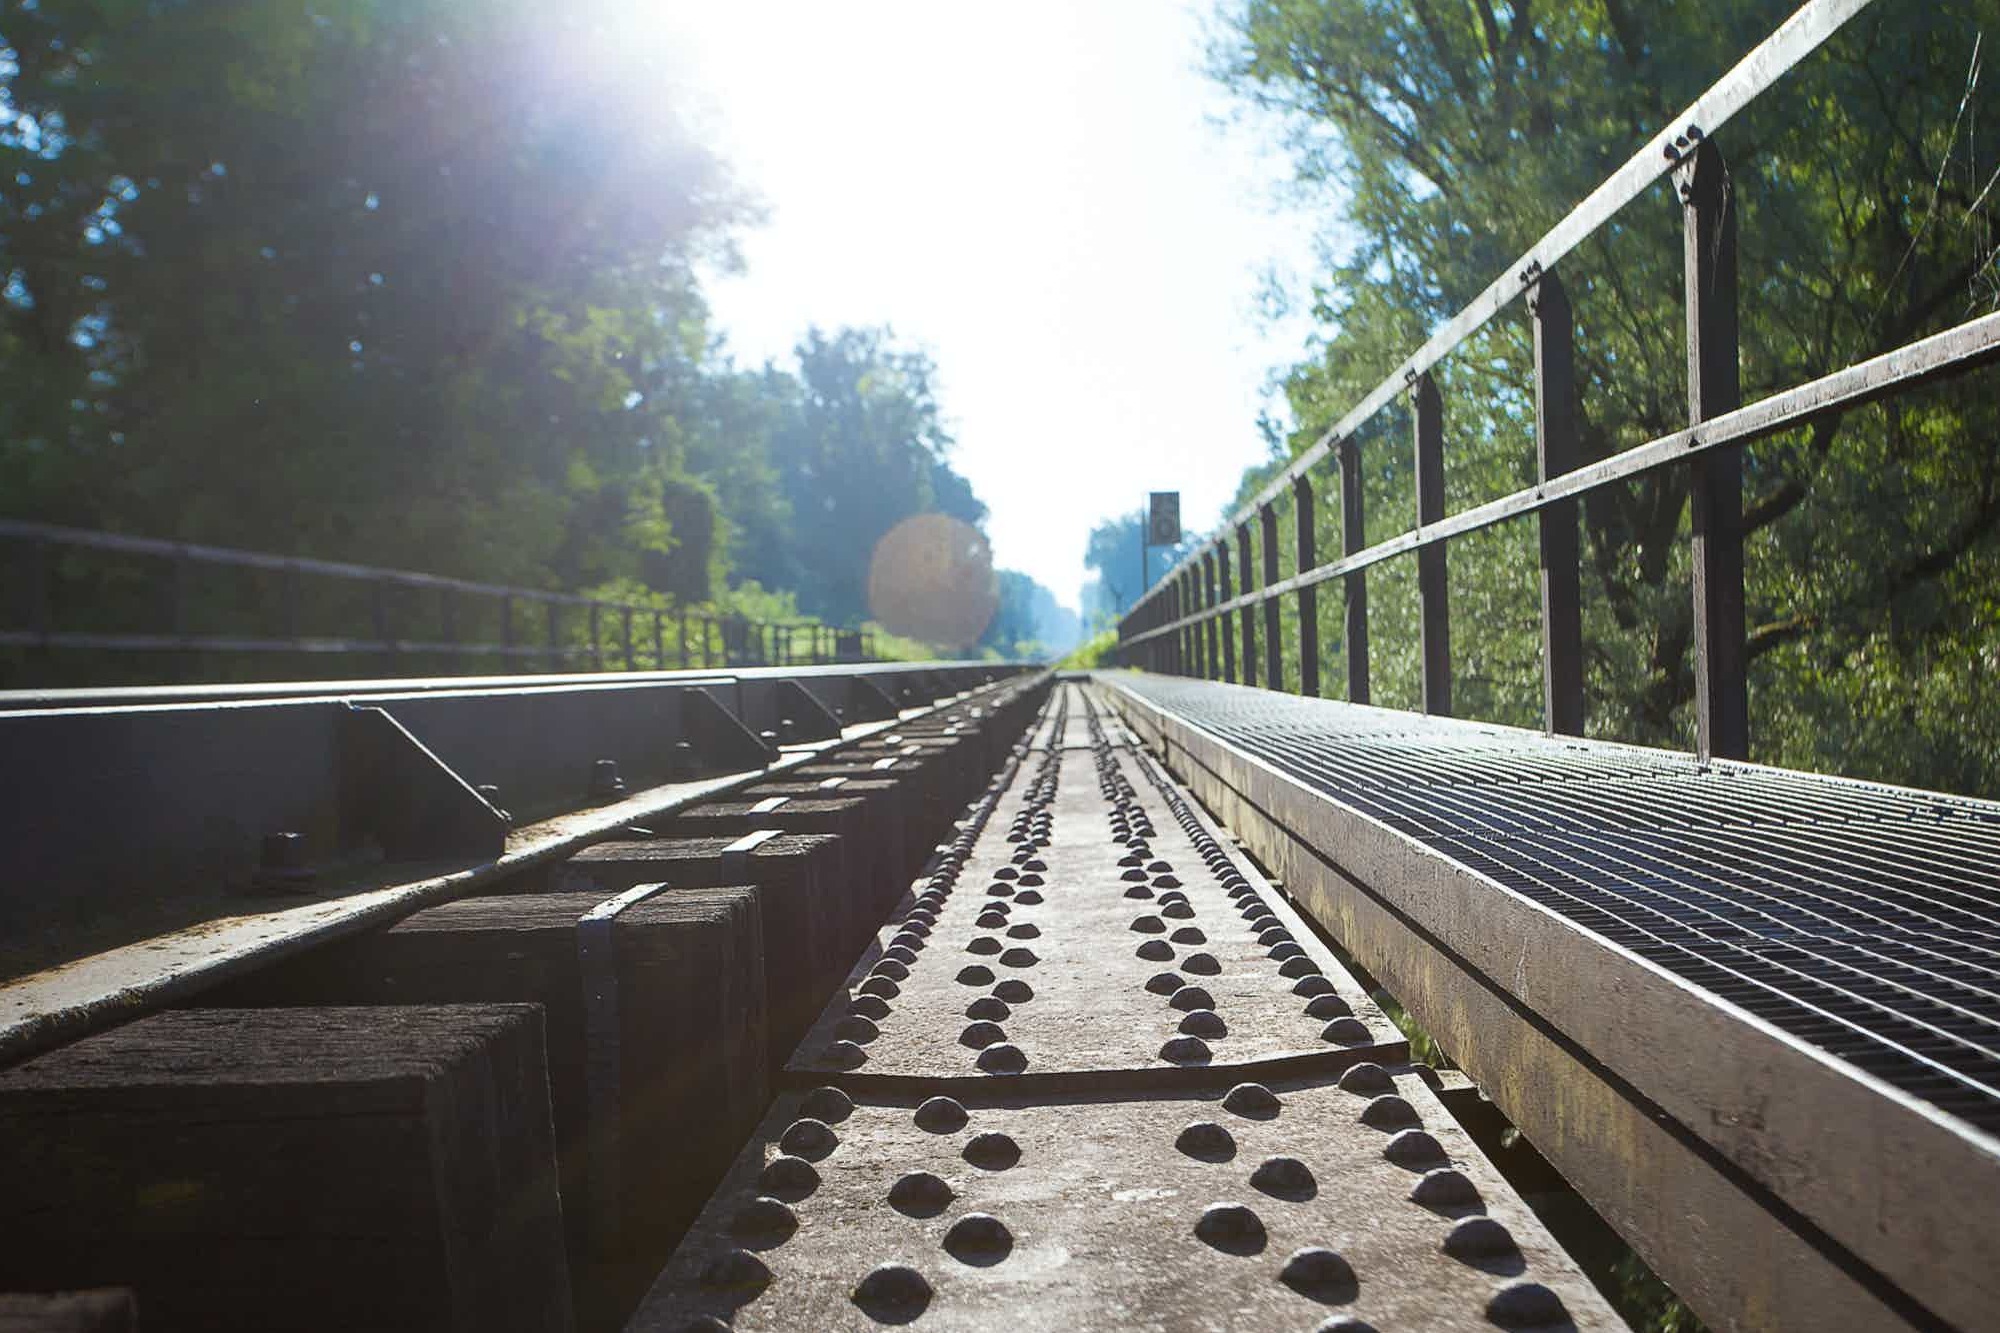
(1446, 140)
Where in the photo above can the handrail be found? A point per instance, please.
(712, 627)
(1183, 623)
(1794, 39)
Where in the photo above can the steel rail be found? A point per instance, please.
(1794, 39)
(1955, 351)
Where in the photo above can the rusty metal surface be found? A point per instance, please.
(1092, 926)
(1279, 1207)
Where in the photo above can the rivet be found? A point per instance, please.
(1444, 1187)
(1164, 983)
(1148, 925)
(893, 1293)
(1316, 984)
(809, 1138)
(1201, 964)
(1020, 957)
(1000, 890)
(869, 1006)
(1138, 891)
(1412, 1148)
(1003, 1058)
(1253, 1101)
(1366, 1078)
(1186, 1051)
(1135, 875)
(941, 1115)
(1006, 872)
(844, 1054)
(1343, 1323)
(829, 1105)
(1525, 1303)
(1475, 1238)
(1028, 897)
(1232, 1228)
(988, 1008)
(981, 1035)
(1188, 935)
(1035, 880)
(920, 1194)
(1284, 950)
(1285, 1178)
(856, 1029)
(1327, 1006)
(992, 1151)
(790, 1178)
(1155, 951)
(905, 947)
(1024, 931)
(1389, 1112)
(881, 987)
(1298, 967)
(979, 1239)
(1347, 1032)
(975, 975)
(1273, 935)
(1179, 911)
(765, 1219)
(1206, 1140)
(1318, 1274)
(1165, 882)
(1189, 998)
(1203, 1023)
(891, 969)
(737, 1269)
(1014, 991)
(983, 944)
(1158, 868)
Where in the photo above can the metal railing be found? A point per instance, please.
(683, 636)
(1182, 624)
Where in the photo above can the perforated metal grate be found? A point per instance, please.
(1860, 918)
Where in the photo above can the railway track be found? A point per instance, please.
(1093, 1073)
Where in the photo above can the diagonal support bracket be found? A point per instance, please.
(394, 790)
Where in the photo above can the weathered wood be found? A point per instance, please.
(1556, 452)
(884, 832)
(796, 877)
(1715, 478)
(690, 1042)
(860, 885)
(1434, 627)
(1305, 538)
(338, 1169)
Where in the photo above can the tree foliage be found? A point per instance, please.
(1444, 140)
(414, 284)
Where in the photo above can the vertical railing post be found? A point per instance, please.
(1715, 476)
(659, 642)
(625, 634)
(1305, 544)
(707, 652)
(1221, 595)
(1247, 618)
(1181, 654)
(1205, 592)
(1274, 649)
(1434, 627)
(292, 618)
(378, 606)
(1354, 586)
(596, 643)
(448, 609)
(41, 600)
(686, 661)
(1556, 452)
(554, 627)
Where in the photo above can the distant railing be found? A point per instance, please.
(683, 637)
(1182, 624)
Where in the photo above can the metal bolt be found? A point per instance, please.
(490, 793)
(604, 780)
(281, 864)
(920, 1194)
(941, 1115)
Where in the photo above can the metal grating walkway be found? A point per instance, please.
(1862, 919)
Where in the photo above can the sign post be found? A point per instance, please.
(1163, 528)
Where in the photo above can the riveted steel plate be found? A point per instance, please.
(1199, 1211)
(1058, 950)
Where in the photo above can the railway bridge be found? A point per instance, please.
(779, 994)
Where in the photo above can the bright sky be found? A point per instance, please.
(1042, 196)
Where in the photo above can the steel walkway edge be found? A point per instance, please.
(1749, 1013)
